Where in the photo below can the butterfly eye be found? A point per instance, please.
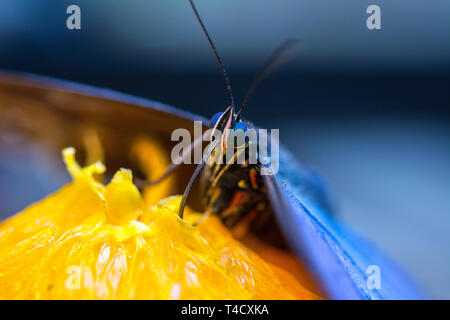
(240, 142)
(216, 117)
(240, 126)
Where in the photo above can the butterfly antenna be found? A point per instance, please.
(219, 60)
(197, 171)
(175, 164)
(271, 64)
(188, 188)
(142, 183)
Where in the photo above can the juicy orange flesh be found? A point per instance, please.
(95, 241)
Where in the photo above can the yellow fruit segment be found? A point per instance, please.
(91, 241)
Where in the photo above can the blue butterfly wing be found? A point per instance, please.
(343, 261)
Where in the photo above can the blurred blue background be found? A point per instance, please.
(369, 109)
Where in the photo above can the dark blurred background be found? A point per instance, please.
(367, 108)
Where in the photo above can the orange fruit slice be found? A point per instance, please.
(94, 241)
